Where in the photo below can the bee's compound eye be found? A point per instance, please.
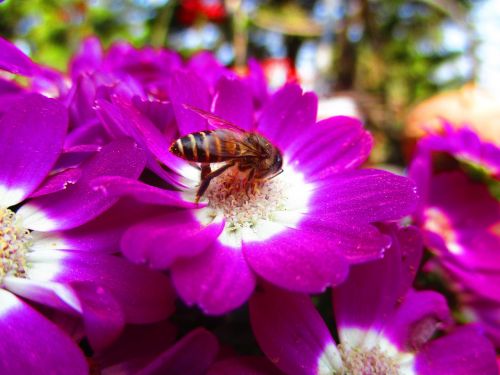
(278, 161)
(174, 148)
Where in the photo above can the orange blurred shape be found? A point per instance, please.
(468, 106)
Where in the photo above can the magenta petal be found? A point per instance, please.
(299, 260)
(159, 114)
(103, 234)
(364, 196)
(122, 117)
(420, 172)
(464, 143)
(115, 187)
(343, 142)
(417, 319)
(233, 102)
(464, 352)
(206, 66)
(486, 313)
(145, 296)
(357, 243)
(411, 248)
(368, 297)
(187, 88)
(163, 239)
(8, 88)
(58, 182)
(55, 295)
(484, 284)
(75, 156)
(467, 225)
(244, 366)
(137, 346)
(31, 138)
(287, 115)
(256, 80)
(31, 344)
(218, 280)
(88, 59)
(179, 359)
(81, 202)
(113, 119)
(13, 60)
(291, 333)
(80, 102)
(102, 315)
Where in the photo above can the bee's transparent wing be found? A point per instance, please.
(213, 120)
(231, 136)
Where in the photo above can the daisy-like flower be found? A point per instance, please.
(384, 327)
(53, 243)
(460, 219)
(300, 230)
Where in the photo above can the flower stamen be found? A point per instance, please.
(374, 361)
(244, 206)
(15, 242)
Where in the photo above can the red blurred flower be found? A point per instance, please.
(191, 10)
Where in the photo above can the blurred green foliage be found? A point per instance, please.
(387, 54)
(51, 30)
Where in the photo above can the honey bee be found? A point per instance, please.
(250, 152)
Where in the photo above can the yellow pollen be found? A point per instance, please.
(244, 206)
(357, 361)
(14, 245)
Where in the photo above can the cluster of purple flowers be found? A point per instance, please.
(100, 232)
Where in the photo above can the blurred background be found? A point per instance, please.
(369, 58)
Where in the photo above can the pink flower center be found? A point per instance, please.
(14, 245)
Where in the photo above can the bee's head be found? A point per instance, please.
(174, 149)
(272, 165)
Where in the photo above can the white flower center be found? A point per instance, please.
(367, 362)
(255, 212)
(15, 242)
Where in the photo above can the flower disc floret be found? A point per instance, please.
(242, 205)
(15, 242)
(366, 362)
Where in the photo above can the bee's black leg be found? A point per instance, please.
(206, 181)
(249, 183)
(205, 171)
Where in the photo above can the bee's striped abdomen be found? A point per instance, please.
(200, 147)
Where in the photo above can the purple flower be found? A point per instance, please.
(460, 218)
(300, 230)
(384, 327)
(51, 246)
(99, 77)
